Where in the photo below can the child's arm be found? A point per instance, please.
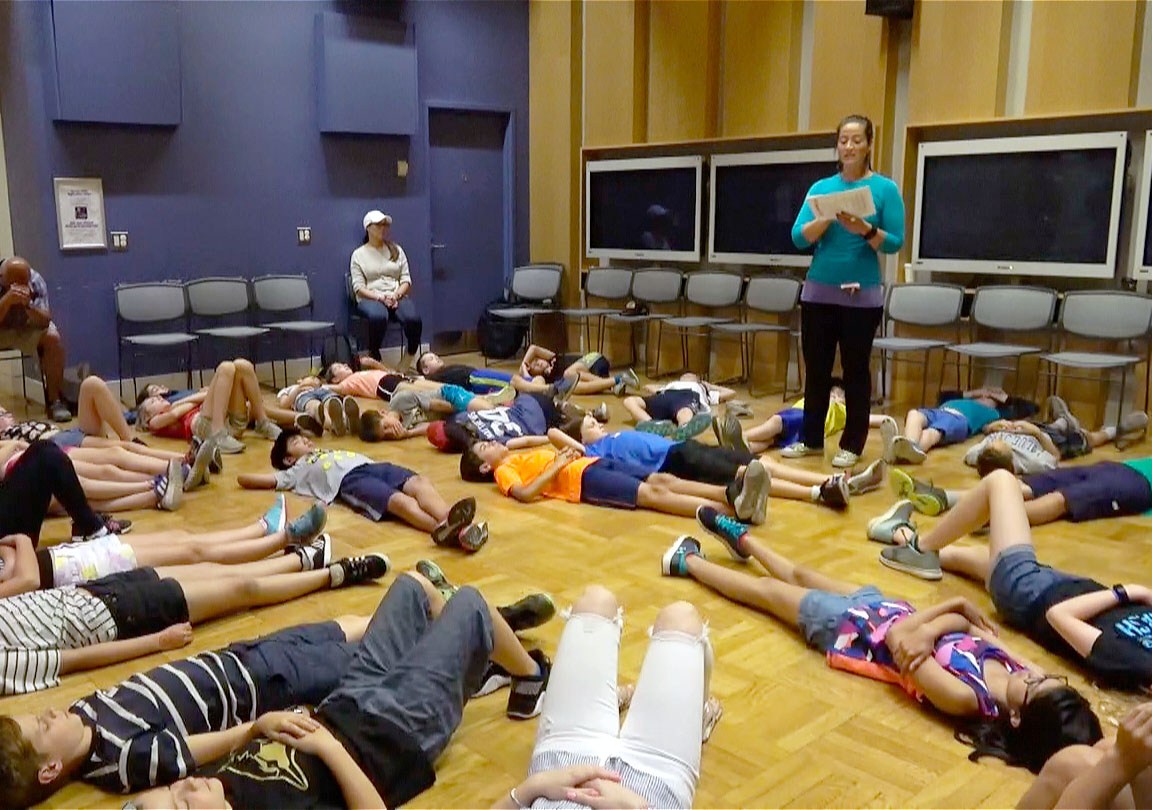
(256, 481)
(22, 573)
(359, 792)
(113, 652)
(724, 393)
(8, 449)
(1069, 618)
(526, 493)
(173, 414)
(520, 442)
(527, 384)
(194, 399)
(561, 440)
(1035, 432)
(944, 691)
(534, 352)
(369, 362)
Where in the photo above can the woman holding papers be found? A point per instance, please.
(847, 218)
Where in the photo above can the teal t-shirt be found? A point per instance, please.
(976, 413)
(841, 256)
(1144, 467)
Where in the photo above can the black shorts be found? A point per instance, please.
(1070, 443)
(667, 404)
(140, 602)
(608, 482)
(694, 461)
(297, 666)
(387, 385)
(1095, 491)
(552, 416)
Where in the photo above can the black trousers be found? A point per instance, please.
(694, 461)
(823, 328)
(42, 472)
(378, 317)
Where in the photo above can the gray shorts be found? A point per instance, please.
(72, 437)
(1017, 582)
(820, 612)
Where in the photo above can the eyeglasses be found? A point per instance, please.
(1035, 680)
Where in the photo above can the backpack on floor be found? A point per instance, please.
(499, 338)
(338, 349)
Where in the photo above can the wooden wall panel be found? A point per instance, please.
(609, 72)
(956, 64)
(849, 55)
(1081, 56)
(679, 74)
(760, 82)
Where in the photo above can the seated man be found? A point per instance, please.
(374, 489)
(26, 324)
(1103, 629)
(374, 741)
(98, 739)
(680, 409)
(568, 476)
(953, 421)
(524, 423)
(542, 367)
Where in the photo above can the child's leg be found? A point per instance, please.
(763, 436)
(429, 500)
(635, 407)
(98, 489)
(786, 472)
(120, 457)
(591, 384)
(107, 473)
(875, 420)
(408, 509)
(208, 571)
(997, 498)
(243, 545)
(968, 561)
(916, 429)
(221, 596)
(662, 499)
(284, 417)
(711, 492)
(219, 395)
(133, 448)
(249, 387)
(98, 407)
(684, 416)
(1099, 438)
(779, 599)
(125, 503)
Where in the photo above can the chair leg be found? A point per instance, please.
(1120, 402)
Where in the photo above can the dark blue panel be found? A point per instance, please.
(117, 62)
(365, 76)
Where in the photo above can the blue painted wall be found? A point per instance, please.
(222, 193)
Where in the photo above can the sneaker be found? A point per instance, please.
(625, 380)
(690, 429)
(799, 450)
(871, 478)
(527, 695)
(712, 712)
(115, 525)
(674, 563)
(266, 429)
(834, 492)
(661, 427)
(883, 529)
(58, 411)
(752, 503)
(1131, 429)
(216, 463)
(1058, 409)
(740, 409)
(473, 538)
(732, 490)
(226, 442)
(460, 515)
(276, 518)
(731, 434)
(309, 424)
(845, 459)
(600, 412)
(926, 498)
(730, 531)
(237, 424)
(201, 426)
(563, 389)
(533, 610)
(170, 488)
(352, 416)
(505, 396)
(495, 678)
(907, 451)
(435, 574)
(411, 417)
(889, 430)
(103, 531)
(314, 555)
(923, 564)
(198, 472)
(334, 409)
(354, 570)
(309, 524)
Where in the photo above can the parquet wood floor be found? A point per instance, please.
(794, 733)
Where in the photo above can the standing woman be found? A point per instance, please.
(843, 300)
(381, 283)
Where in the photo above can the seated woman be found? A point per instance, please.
(543, 367)
(582, 754)
(382, 285)
(1018, 712)
(1106, 630)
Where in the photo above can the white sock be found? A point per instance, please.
(951, 497)
(816, 492)
(1110, 432)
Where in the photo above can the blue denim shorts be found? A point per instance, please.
(820, 612)
(953, 425)
(1017, 582)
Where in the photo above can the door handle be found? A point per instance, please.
(438, 245)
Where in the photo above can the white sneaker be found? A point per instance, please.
(906, 450)
(845, 458)
(889, 430)
(799, 450)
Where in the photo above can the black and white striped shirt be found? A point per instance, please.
(140, 726)
(36, 626)
(650, 787)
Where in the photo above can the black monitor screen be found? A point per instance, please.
(1053, 206)
(756, 205)
(642, 209)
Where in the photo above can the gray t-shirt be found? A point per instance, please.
(318, 474)
(1028, 455)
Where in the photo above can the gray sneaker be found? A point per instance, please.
(227, 443)
(267, 429)
(1058, 409)
(923, 564)
(352, 416)
(625, 380)
(1131, 429)
(883, 529)
(170, 487)
(889, 430)
(751, 505)
(731, 434)
(198, 471)
(906, 450)
(869, 479)
(334, 407)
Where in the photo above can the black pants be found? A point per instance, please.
(823, 328)
(42, 472)
(694, 461)
(378, 317)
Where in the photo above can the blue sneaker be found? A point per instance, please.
(276, 518)
(675, 561)
(729, 530)
(304, 529)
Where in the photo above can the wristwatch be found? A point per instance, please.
(871, 232)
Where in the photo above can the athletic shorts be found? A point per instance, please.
(369, 487)
(314, 395)
(74, 563)
(820, 611)
(1095, 491)
(694, 461)
(387, 385)
(488, 380)
(1070, 443)
(297, 666)
(65, 439)
(181, 429)
(140, 602)
(608, 482)
(953, 425)
(792, 431)
(667, 404)
(596, 363)
(1018, 582)
(457, 397)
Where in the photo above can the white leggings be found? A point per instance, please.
(662, 733)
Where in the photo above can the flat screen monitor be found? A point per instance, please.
(1142, 255)
(647, 208)
(1046, 205)
(755, 198)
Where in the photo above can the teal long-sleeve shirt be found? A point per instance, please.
(840, 256)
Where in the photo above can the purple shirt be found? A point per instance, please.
(815, 292)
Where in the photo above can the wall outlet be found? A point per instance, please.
(303, 235)
(119, 240)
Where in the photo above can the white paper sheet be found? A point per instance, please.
(856, 201)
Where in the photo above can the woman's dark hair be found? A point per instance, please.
(470, 467)
(1048, 722)
(279, 454)
(869, 131)
(994, 458)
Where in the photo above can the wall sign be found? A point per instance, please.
(80, 213)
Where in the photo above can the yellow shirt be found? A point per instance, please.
(834, 420)
(525, 467)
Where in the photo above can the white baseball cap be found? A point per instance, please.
(373, 217)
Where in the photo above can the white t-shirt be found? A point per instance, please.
(1028, 455)
(707, 396)
(375, 270)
